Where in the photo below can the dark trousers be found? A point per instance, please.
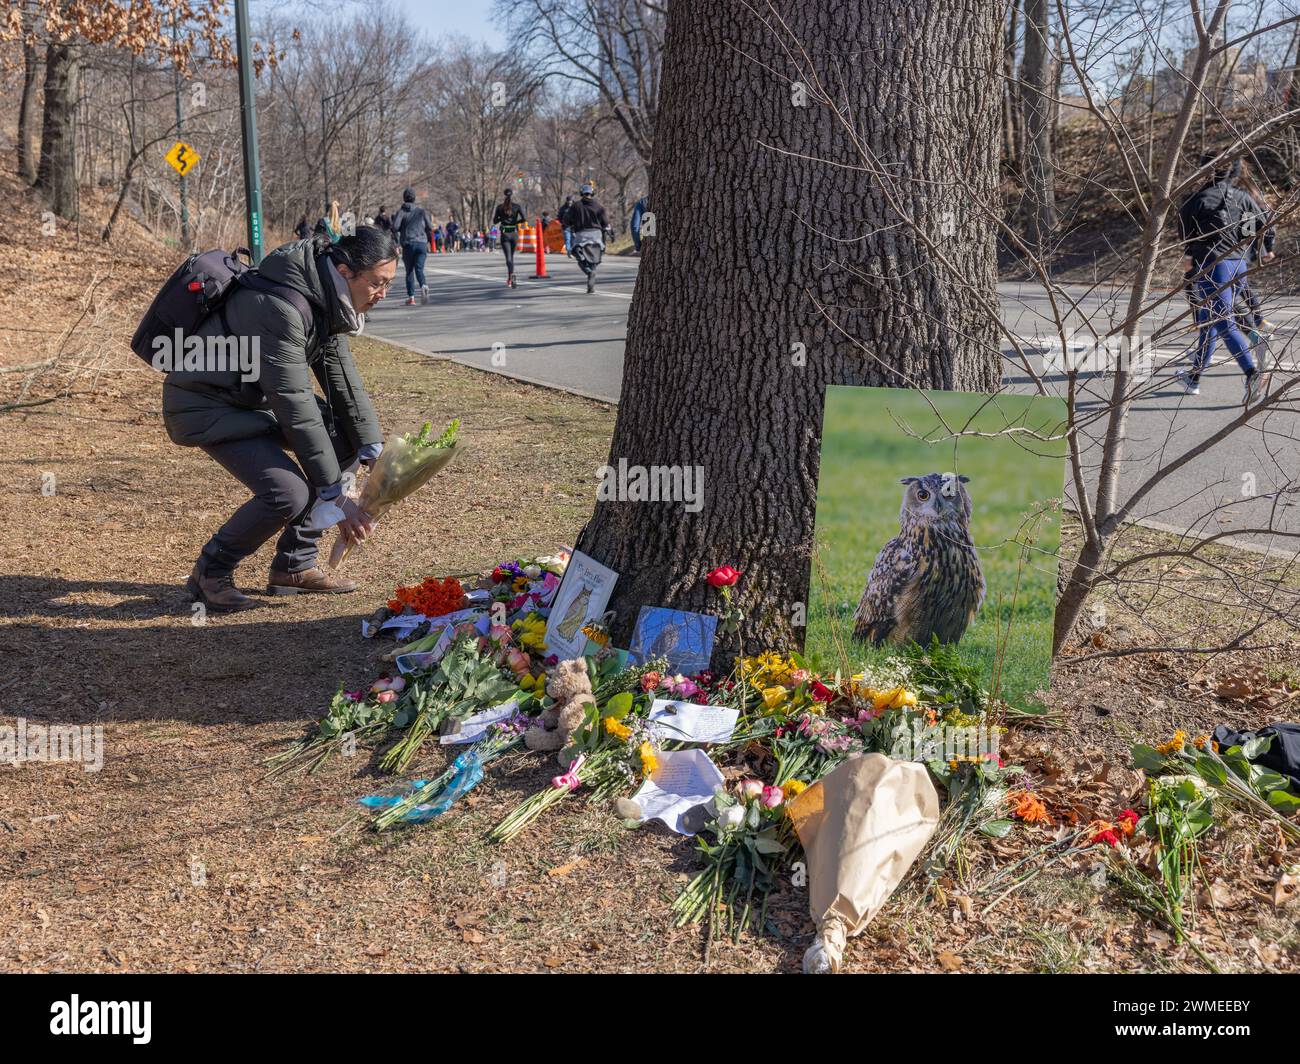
(413, 256)
(282, 499)
(508, 244)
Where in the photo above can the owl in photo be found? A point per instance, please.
(927, 580)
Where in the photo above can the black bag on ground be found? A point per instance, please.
(1283, 753)
(198, 288)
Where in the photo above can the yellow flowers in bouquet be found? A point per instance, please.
(407, 461)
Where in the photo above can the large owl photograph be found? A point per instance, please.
(937, 525)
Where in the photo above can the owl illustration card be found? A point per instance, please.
(684, 638)
(581, 598)
(938, 526)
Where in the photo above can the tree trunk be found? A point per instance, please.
(1011, 131)
(1036, 93)
(744, 310)
(27, 104)
(57, 173)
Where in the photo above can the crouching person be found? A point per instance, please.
(263, 423)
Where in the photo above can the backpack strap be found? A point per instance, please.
(254, 280)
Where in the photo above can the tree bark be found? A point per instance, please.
(57, 173)
(782, 264)
(1036, 93)
(27, 103)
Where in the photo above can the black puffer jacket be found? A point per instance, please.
(214, 407)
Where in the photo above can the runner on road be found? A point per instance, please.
(587, 220)
(414, 231)
(1211, 224)
(509, 216)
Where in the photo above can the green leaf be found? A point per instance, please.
(619, 706)
(1211, 770)
(1283, 801)
(997, 829)
(1268, 780)
(1147, 758)
(1253, 748)
(763, 844)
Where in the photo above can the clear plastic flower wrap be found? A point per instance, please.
(406, 462)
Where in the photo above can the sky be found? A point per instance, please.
(468, 18)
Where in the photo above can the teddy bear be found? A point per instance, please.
(570, 687)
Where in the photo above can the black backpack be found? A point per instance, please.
(1283, 753)
(198, 288)
(1216, 215)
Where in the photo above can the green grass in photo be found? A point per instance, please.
(873, 436)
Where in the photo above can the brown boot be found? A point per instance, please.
(218, 593)
(309, 580)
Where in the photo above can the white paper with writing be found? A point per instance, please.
(683, 780)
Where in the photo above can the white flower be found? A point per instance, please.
(731, 817)
(533, 572)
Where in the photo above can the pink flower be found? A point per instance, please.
(356, 696)
(752, 789)
(382, 684)
(501, 633)
(798, 676)
(518, 661)
(397, 683)
(772, 797)
(651, 681)
(386, 696)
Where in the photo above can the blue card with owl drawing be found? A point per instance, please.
(936, 540)
(684, 638)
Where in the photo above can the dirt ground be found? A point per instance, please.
(177, 855)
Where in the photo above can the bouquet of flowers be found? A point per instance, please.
(403, 467)
(465, 680)
(432, 798)
(744, 848)
(352, 715)
(612, 752)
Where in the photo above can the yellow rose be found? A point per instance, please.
(773, 696)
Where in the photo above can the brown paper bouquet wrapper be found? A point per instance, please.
(862, 827)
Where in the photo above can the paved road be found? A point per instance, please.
(551, 332)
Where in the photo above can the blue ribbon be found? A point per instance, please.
(466, 773)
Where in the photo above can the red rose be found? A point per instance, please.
(820, 692)
(723, 576)
(1108, 837)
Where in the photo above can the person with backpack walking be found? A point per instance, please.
(587, 220)
(413, 229)
(509, 216)
(1259, 231)
(1210, 221)
(269, 430)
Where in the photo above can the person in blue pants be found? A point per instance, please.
(1217, 288)
(1213, 231)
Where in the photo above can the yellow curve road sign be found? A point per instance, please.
(182, 158)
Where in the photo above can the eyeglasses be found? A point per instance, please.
(377, 286)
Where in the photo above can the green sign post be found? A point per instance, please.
(248, 120)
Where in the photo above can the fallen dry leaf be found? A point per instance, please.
(950, 962)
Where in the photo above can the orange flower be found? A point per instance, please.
(1029, 808)
(1201, 741)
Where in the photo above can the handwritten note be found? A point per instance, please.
(689, 722)
(683, 780)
